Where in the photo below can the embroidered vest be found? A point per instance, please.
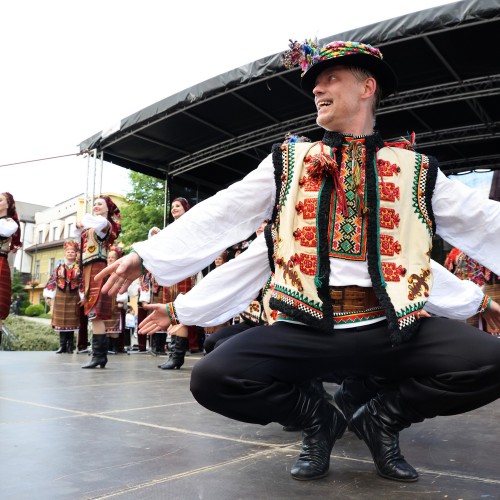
(258, 312)
(94, 249)
(385, 218)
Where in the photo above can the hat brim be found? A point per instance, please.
(381, 71)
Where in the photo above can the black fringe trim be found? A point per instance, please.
(277, 156)
(299, 315)
(373, 143)
(429, 189)
(322, 278)
(268, 235)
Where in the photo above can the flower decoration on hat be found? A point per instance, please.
(118, 250)
(301, 54)
(308, 53)
(71, 244)
(312, 59)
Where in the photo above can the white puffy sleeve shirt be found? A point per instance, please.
(193, 241)
(463, 218)
(8, 227)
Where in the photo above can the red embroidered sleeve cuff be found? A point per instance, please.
(172, 314)
(484, 304)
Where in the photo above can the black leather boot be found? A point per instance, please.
(378, 423)
(161, 340)
(112, 345)
(62, 343)
(322, 425)
(311, 387)
(176, 358)
(70, 337)
(99, 352)
(171, 348)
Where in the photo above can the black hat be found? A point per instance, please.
(313, 60)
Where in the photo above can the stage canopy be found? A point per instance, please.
(214, 133)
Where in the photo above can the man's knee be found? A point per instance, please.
(203, 380)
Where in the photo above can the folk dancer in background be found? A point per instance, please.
(115, 327)
(64, 293)
(10, 241)
(98, 232)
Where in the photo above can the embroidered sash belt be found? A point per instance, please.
(352, 298)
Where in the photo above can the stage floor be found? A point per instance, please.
(132, 431)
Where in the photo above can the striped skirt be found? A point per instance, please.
(97, 305)
(66, 311)
(5, 287)
(114, 325)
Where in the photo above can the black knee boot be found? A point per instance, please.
(311, 387)
(176, 358)
(378, 423)
(70, 337)
(62, 343)
(112, 345)
(161, 340)
(354, 392)
(99, 352)
(322, 425)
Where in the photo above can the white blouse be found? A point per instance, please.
(8, 227)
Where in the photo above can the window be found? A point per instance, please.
(40, 237)
(37, 270)
(54, 233)
(52, 265)
(71, 228)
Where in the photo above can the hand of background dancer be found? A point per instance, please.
(121, 274)
(157, 321)
(174, 329)
(492, 317)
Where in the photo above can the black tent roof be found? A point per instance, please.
(214, 133)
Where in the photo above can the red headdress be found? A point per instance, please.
(15, 242)
(118, 250)
(72, 244)
(183, 202)
(114, 216)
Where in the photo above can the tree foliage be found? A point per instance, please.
(18, 286)
(145, 208)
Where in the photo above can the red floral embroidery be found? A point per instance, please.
(389, 218)
(389, 246)
(306, 236)
(308, 264)
(389, 191)
(392, 272)
(387, 168)
(309, 184)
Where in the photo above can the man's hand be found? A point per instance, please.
(157, 321)
(121, 274)
(492, 318)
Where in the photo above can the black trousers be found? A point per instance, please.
(447, 368)
(217, 338)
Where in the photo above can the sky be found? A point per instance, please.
(73, 68)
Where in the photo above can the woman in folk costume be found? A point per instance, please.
(10, 241)
(115, 326)
(98, 233)
(63, 292)
(152, 293)
(182, 337)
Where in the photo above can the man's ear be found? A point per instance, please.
(370, 86)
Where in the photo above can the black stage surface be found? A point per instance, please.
(132, 431)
